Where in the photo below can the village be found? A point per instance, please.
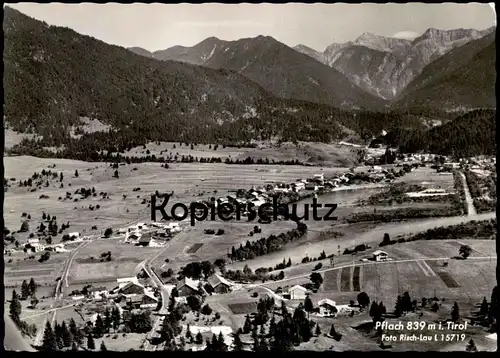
(144, 301)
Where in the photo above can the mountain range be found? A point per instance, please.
(54, 76)
(382, 66)
(222, 91)
(385, 66)
(466, 74)
(278, 68)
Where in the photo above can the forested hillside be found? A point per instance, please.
(469, 135)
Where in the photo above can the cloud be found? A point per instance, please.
(226, 23)
(409, 35)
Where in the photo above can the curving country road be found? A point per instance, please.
(165, 294)
(13, 339)
(471, 210)
(58, 294)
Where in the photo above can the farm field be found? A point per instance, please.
(23, 268)
(428, 178)
(125, 258)
(421, 278)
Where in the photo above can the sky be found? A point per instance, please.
(160, 26)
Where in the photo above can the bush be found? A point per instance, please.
(206, 310)
(318, 266)
(108, 232)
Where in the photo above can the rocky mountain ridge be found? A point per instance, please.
(385, 66)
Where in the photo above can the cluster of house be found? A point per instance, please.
(326, 306)
(262, 194)
(35, 245)
(418, 158)
(143, 234)
(129, 294)
(215, 284)
(480, 165)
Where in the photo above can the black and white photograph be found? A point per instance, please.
(249, 177)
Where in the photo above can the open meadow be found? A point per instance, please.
(196, 245)
(122, 205)
(334, 155)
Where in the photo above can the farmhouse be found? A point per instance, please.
(144, 240)
(311, 186)
(297, 292)
(327, 307)
(149, 301)
(124, 281)
(258, 202)
(282, 190)
(132, 288)
(35, 245)
(218, 284)
(320, 177)
(74, 235)
(298, 186)
(380, 255)
(97, 293)
(187, 287)
(77, 297)
(132, 237)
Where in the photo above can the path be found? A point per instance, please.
(48, 311)
(157, 282)
(471, 210)
(58, 294)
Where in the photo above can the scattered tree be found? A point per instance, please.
(318, 330)
(199, 338)
(49, 339)
(483, 311)
(90, 342)
(363, 299)
(25, 226)
(455, 312)
(237, 343)
(465, 251)
(308, 305)
(103, 347)
(15, 308)
(471, 346)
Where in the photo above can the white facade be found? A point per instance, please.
(124, 281)
(99, 295)
(380, 255)
(327, 307)
(297, 292)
